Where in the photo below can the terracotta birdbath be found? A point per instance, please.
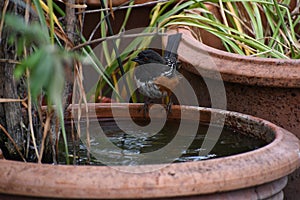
(257, 174)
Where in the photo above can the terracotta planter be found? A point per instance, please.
(267, 88)
(262, 87)
(258, 174)
(139, 17)
(114, 2)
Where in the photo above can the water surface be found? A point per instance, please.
(127, 146)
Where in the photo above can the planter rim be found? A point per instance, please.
(275, 160)
(234, 67)
(115, 2)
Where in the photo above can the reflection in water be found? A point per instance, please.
(136, 142)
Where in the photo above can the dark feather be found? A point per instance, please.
(153, 67)
(148, 72)
(172, 45)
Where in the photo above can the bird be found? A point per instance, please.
(156, 76)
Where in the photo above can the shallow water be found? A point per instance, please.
(134, 146)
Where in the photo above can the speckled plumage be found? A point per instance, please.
(153, 66)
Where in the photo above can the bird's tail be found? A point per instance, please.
(172, 45)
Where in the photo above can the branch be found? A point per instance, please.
(122, 7)
(120, 35)
(11, 100)
(3, 17)
(10, 61)
(12, 141)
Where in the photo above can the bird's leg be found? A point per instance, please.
(169, 105)
(168, 102)
(146, 107)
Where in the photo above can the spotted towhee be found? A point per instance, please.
(157, 76)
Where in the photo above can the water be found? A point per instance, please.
(132, 146)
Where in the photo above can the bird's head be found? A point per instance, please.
(149, 56)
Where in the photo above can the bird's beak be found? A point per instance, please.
(136, 59)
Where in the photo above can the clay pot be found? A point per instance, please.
(263, 87)
(115, 2)
(258, 174)
(139, 17)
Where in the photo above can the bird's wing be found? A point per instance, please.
(148, 72)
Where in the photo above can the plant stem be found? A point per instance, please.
(110, 30)
(50, 6)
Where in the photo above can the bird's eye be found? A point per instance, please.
(145, 59)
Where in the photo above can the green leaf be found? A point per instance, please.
(40, 75)
(55, 89)
(42, 18)
(31, 61)
(25, 34)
